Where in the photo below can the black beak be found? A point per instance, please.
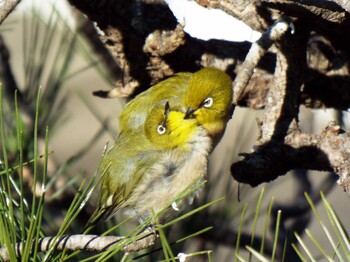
(189, 112)
(166, 109)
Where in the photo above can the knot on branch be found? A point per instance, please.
(328, 151)
(272, 160)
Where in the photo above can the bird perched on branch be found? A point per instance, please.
(145, 172)
(163, 150)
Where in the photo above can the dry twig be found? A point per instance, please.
(6, 7)
(84, 242)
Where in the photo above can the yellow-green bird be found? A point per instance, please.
(205, 95)
(148, 167)
(208, 98)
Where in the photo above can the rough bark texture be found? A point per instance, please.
(308, 64)
(6, 7)
(84, 242)
(327, 151)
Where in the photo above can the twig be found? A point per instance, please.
(256, 52)
(6, 7)
(84, 242)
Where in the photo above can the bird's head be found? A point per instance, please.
(167, 128)
(208, 99)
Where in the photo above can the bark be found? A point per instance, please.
(6, 7)
(324, 152)
(84, 242)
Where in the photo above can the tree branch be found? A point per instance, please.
(325, 152)
(6, 7)
(281, 147)
(149, 45)
(256, 52)
(85, 242)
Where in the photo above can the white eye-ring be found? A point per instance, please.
(208, 102)
(161, 129)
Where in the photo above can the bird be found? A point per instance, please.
(169, 90)
(147, 168)
(208, 98)
(205, 95)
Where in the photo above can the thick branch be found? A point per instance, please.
(126, 26)
(85, 242)
(282, 101)
(281, 147)
(148, 45)
(325, 152)
(331, 11)
(324, 9)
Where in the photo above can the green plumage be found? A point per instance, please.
(146, 170)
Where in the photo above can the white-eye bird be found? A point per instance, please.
(205, 95)
(208, 98)
(147, 168)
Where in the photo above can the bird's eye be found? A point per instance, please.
(161, 129)
(208, 102)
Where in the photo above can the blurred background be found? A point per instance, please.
(80, 124)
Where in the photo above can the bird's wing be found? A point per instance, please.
(125, 162)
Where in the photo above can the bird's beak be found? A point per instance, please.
(189, 112)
